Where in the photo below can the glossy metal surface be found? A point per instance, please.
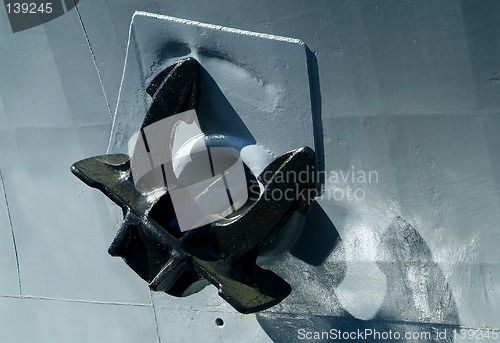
(223, 252)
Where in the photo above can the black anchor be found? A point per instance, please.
(223, 252)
